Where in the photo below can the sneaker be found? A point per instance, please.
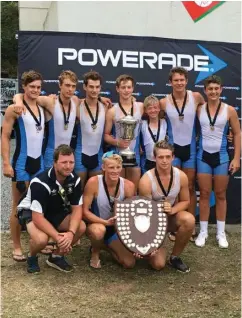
(178, 264)
(222, 240)
(32, 264)
(59, 263)
(201, 239)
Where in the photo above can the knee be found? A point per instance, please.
(40, 239)
(96, 231)
(204, 194)
(220, 195)
(158, 266)
(81, 229)
(128, 262)
(187, 220)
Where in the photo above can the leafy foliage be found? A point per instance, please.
(9, 44)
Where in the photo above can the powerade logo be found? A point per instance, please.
(206, 64)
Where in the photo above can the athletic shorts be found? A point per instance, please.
(110, 235)
(222, 169)
(25, 169)
(84, 163)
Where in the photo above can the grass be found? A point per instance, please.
(211, 289)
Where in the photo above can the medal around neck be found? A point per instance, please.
(127, 128)
(141, 224)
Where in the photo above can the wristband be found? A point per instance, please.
(72, 232)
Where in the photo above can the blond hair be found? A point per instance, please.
(67, 74)
(150, 100)
(113, 157)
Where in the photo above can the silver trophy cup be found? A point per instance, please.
(127, 128)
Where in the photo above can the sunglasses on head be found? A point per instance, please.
(108, 154)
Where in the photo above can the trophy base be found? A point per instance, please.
(128, 161)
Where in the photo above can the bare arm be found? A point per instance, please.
(198, 99)
(76, 217)
(108, 128)
(163, 104)
(46, 102)
(89, 195)
(144, 187)
(7, 127)
(184, 197)
(234, 122)
(129, 189)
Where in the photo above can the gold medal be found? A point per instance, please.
(181, 117)
(66, 126)
(211, 127)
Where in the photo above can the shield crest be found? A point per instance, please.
(141, 224)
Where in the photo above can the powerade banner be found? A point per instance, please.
(148, 60)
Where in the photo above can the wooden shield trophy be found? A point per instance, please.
(141, 224)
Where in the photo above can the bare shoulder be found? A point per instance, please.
(145, 185)
(76, 100)
(163, 103)
(91, 185)
(198, 98)
(9, 113)
(110, 112)
(232, 111)
(183, 177)
(129, 188)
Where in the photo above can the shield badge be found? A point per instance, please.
(141, 224)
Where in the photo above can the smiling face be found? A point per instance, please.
(92, 88)
(125, 89)
(153, 110)
(178, 82)
(213, 91)
(32, 90)
(112, 168)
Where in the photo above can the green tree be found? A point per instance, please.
(9, 44)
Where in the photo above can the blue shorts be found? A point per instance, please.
(190, 163)
(110, 235)
(23, 171)
(84, 163)
(222, 169)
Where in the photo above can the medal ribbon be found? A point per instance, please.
(107, 193)
(212, 122)
(123, 110)
(38, 122)
(151, 132)
(161, 185)
(66, 120)
(180, 113)
(94, 121)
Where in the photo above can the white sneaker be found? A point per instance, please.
(201, 239)
(222, 240)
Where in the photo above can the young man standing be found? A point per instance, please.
(91, 115)
(125, 106)
(180, 108)
(98, 203)
(60, 115)
(27, 160)
(213, 166)
(171, 183)
(53, 208)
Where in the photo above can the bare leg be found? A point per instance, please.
(133, 174)
(95, 233)
(205, 187)
(220, 187)
(158, 260)
(121, 254)
(191, 173)
(15, 228)
(38, 239)
(83, 176)
(185, 222)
